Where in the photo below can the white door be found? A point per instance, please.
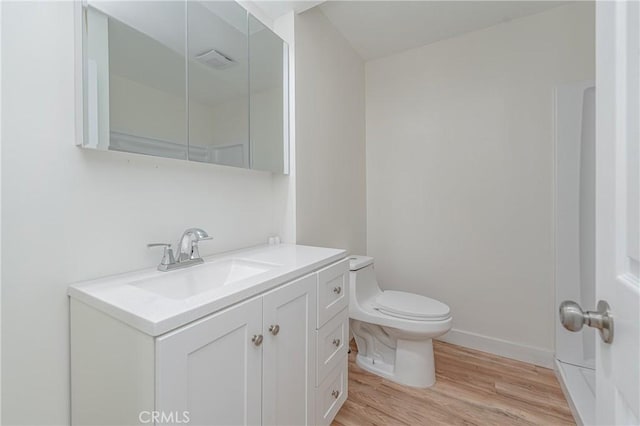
(212, 369)
(289, 353)
(617, 214)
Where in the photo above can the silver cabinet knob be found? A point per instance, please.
(573, 318)
(337, 290)
(274, 329)
(335, 394)
(336, 342)
(257, 339)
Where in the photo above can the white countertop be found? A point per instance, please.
(123, 297)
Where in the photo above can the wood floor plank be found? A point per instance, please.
(472, 388)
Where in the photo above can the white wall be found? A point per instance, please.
(70, 214)
(329, 137)
(460, 173)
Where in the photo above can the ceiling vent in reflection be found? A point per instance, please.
(215, 59)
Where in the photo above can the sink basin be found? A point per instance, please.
(186, 283)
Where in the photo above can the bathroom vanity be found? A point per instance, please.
(255, 336)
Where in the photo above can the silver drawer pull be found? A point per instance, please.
(274, 329)
(336, 342)
(337, 290)
(335, 394)
(257, 339)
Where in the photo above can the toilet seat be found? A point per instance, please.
(411, 306)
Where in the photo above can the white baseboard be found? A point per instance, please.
(578, 391)
(505, 348)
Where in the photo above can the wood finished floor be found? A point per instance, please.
(472, 388)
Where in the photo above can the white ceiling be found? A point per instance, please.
(380, 28)
(276, 8)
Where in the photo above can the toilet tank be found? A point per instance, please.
(363, 285)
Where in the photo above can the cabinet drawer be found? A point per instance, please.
(333, 290)
(331, 394)
(332, 344)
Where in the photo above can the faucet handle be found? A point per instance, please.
(167, 257)
(150, 245)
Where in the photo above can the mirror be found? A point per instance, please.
(135, 97)
(218, 89)
(269, 107)
(194, 80)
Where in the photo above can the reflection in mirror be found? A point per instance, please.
(218, 83)
(134, 77)
(268, 82)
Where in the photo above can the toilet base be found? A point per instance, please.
(414, 364)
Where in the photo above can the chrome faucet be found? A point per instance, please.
(188, 245)
(188, 253)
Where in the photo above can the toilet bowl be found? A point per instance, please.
(394, 329)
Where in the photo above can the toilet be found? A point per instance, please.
(394, 329)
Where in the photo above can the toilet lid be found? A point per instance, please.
(359, 262)
(411, 306)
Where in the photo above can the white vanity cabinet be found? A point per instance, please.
(264, 360)
(211, 370)
(223, 369)
(289, 353)
(332, 337)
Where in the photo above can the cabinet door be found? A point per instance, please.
(289, 353)
(212, 370)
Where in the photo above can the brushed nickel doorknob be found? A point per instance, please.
(571, 315)
(337, 290)
(573, 318)
(257, 339)
(335, 394)
(336, 342)
(274, 329)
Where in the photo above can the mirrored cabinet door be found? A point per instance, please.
(218, 70)
(269, 108)
(134, 77)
